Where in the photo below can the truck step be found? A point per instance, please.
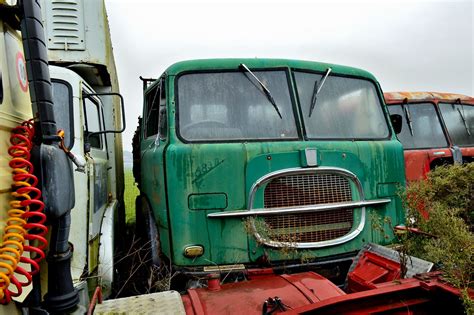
(166, 303)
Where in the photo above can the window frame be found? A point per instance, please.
(147, 113)
(445, 127)
(2, 94)
(376, 86)
(162, 107)
(440, 119)
(100, 114)
(71, 110)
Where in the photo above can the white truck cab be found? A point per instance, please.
(96, 204)
(87, 106)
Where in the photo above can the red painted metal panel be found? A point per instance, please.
(467, 152)
(417, 162)
(247, 297)
(370, 270)
(425, 295)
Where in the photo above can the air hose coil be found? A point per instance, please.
(25, 225)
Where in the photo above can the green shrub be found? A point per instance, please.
(447, 196)
(451, 187)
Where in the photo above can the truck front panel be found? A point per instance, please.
(269, 161)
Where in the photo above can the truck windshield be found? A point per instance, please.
(426, 127)
(222, 106)
(459, 120)
(347, 108)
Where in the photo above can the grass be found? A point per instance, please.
(131, 192)
(136, 273)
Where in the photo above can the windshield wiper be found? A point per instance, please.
(462, 116)
(407, 116)
(317, 89)
(464, 121)
(266, 91)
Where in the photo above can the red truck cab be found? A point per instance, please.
(437, 129)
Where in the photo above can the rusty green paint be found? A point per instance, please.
(230, 169)
(208, 201)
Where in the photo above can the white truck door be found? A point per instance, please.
(97, 161)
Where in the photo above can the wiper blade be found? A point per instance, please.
(458, 101)
(317, 89)
(408, 117)
(464, 121)
(266, 91)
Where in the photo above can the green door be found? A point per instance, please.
(153, 145)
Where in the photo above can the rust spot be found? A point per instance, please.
(398, 97)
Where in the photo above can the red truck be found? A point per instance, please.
(437, 129)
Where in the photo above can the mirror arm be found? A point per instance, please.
(89, 95)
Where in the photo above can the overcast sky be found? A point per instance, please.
(407, 45)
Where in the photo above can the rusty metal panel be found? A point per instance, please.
(397, 97)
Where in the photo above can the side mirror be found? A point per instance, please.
(122, 108)
(396, 122)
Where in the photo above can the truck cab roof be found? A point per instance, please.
(397, 97)
(233, 63)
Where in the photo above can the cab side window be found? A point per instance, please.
(152, 111)
(92, 123)
(62, 98)
(162, 119)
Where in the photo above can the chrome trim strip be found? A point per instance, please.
(295, 210)
(308, 170)
(321, 170)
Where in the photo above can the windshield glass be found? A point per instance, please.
(345, 108)
(426, 126)
(232, 106)
(459, 120)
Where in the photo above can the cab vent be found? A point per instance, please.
(65, 24)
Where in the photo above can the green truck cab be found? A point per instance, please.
(258, 162)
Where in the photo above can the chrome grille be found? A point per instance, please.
(309, 227)
(304, 190)
(307, 189)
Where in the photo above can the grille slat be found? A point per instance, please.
(304, 190)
